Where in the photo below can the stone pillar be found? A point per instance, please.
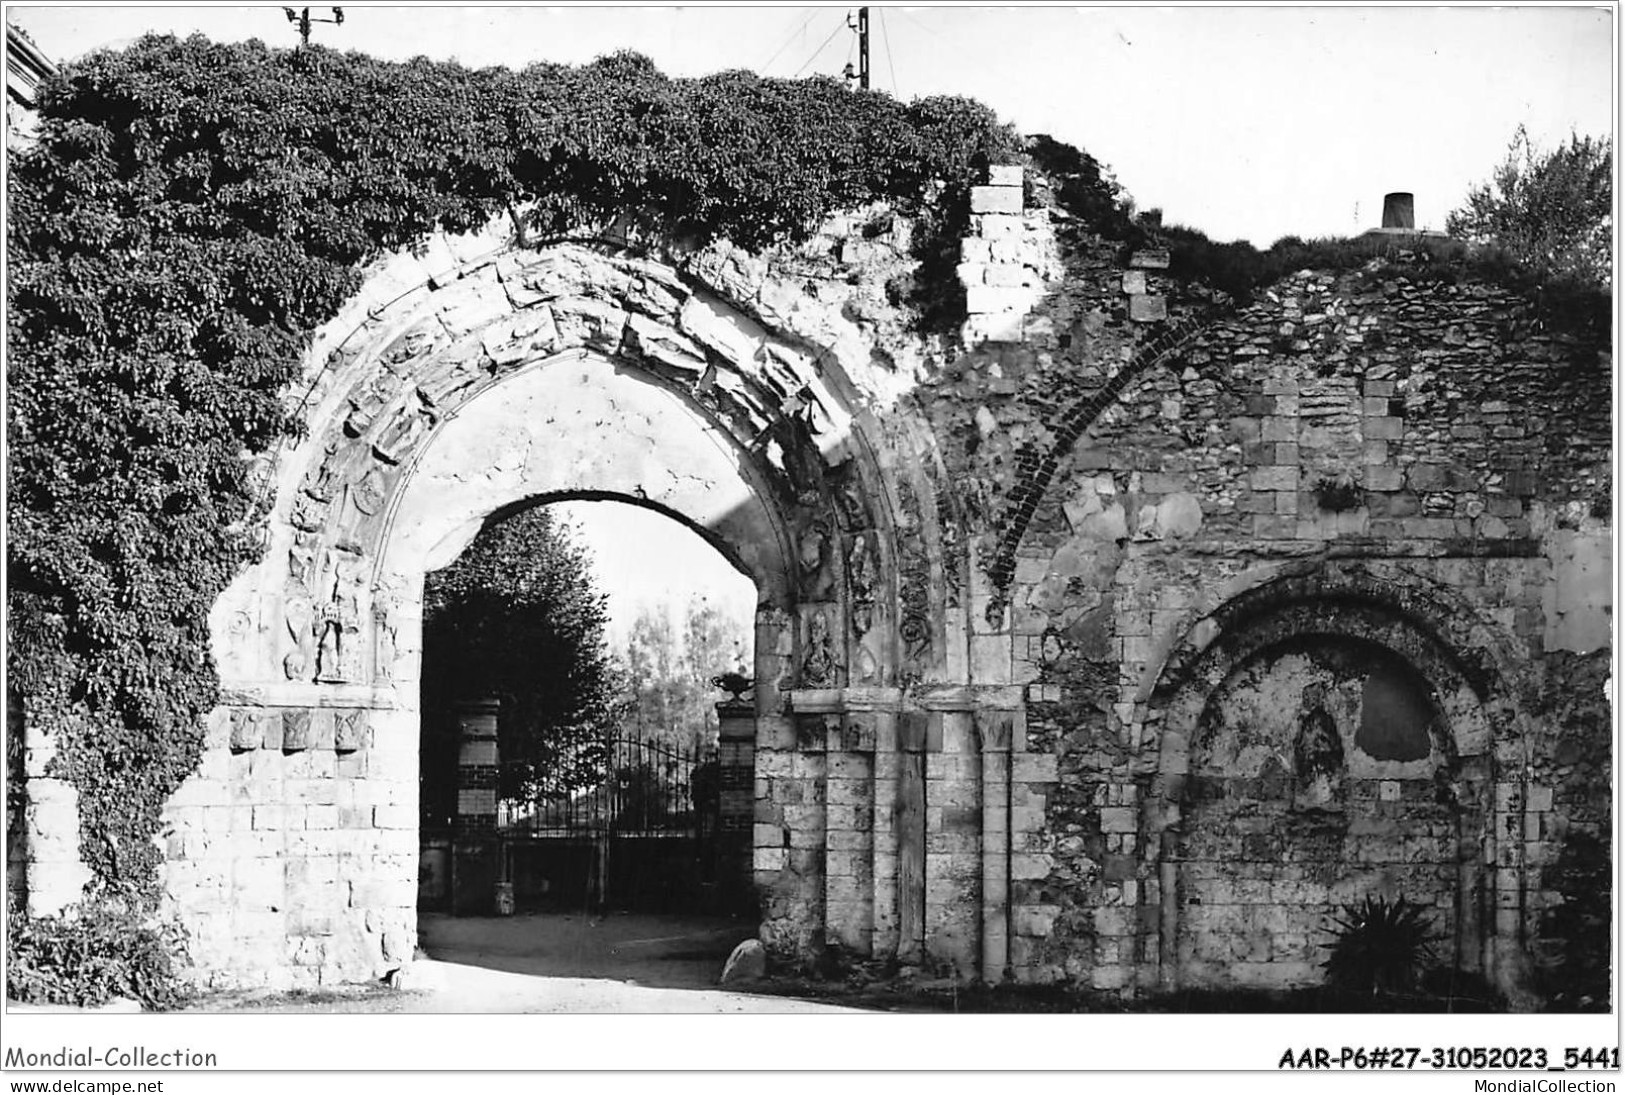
(995, 730)
(887, 766)
(1168, 911)
(475, 869)
(953, 842)
(849, 833)
(805, 822)
(1506, 963)
(736, 806)
(912, 731)
(55, 875)
(789, 831)
(1033, 905)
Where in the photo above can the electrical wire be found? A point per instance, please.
(904, 13)
(885, 38)
(799, 30)
(838, 28)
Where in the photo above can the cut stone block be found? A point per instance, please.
(1275, 478)
(985, 299)
(1383, 479)
(1009, 275)
(975, 250)
(995, 199)
(1144, 308)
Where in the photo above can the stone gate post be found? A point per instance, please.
(474, 865)
(736, 808)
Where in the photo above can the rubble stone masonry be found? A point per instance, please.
(1119, 640)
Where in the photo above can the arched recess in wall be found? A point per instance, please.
(805, 512)
(1323, 737)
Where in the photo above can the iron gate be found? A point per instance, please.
(629, 828)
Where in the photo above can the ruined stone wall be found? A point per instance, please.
(752, 397)
(1436, 432)
(1118, 642)
(1569, 829)
(292, 854)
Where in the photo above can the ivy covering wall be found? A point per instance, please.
(190, 214)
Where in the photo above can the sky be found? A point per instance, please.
(1248, 123)
(619, 537)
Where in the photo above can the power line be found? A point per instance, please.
(799, 30)
(904, 13)
(885, 40)
(838, 28)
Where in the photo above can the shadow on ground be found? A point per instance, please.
(659, 951)
(552, 963)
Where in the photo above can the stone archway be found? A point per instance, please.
(1324, 737)
(518, 376)
(579, 425)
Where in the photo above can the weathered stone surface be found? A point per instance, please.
(1180, 514)
(1104, 516)
(747, 963)
(995, 199)
(981, 299)
(1005, 175)
(1145, 308)
(1577, 599)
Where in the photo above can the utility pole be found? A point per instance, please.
(863, 49)
(862, 27)
(303, 20)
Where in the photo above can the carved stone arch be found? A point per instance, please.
(479, 465)
(392, 379)
(436, 401)
(1252, 852)
(928, 579)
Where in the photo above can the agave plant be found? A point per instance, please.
(1380, 946)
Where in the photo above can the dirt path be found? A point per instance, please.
(451, 988)
(683, 952)
(554, 963)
